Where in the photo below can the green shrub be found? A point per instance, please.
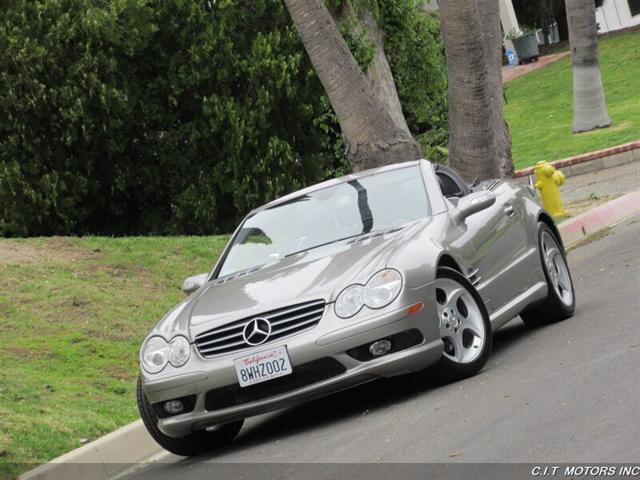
(415, 52)
(174, 116)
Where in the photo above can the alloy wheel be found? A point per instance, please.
(461, 325)
(556, 267)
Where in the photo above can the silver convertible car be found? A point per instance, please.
(371, 275)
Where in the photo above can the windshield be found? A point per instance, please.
(376, 202)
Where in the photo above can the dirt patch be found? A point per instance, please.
(615, 127)
(29, 353)
(71, 311)
(54, 250)
(16, 253)
(120, 373)
(592, 238)
(20, 352)
(112, 334)
(120, 271)
(74, 302)
(576, 208)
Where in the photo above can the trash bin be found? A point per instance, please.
(527, 47)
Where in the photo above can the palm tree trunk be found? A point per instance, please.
(489, 11)
(372, 137)
(589, 108)
(479, 142)
(379, 73)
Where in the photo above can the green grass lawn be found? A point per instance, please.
(539, 105)
(73, 312)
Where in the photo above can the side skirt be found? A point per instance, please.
(538, 291)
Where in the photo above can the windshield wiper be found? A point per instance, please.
(324, 244)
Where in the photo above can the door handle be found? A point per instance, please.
(508, 209)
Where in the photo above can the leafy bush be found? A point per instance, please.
(164, 117)
(415, 52)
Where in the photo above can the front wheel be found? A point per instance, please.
(465, 327)
(561, 299)
(192, 444)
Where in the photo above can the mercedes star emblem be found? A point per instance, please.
(256, 331)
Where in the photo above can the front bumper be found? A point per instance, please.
(332, 338)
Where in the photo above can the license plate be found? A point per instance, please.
(262, 366)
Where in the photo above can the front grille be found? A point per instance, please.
(302, 375)
(284, 321)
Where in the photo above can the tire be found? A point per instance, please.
(193, 444)
(464, 327)
(561, 299)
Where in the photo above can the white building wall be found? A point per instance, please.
(509, 23)
(615, 15)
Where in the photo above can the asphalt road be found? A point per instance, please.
(568, 392)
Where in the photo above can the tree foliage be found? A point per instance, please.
(163, 116)
(415, 51)
(413, 46)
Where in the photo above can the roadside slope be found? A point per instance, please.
(74, 311)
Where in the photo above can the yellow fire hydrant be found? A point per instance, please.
(548, 181)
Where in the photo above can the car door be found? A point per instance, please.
(499, 238)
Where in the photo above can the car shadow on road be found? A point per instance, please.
(363, 400)
(509, 335)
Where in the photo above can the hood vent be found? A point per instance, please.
(233, 276)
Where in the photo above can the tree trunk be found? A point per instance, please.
(379, 73)
(479, 142)
(489, 11)
(371, 135)
(589, 109)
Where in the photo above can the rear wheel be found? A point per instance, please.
(193, 444)
(560, 301)
(465, 328)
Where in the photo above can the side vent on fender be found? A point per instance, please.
(474, 276)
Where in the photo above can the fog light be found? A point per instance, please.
(379, 348)
(173, 407)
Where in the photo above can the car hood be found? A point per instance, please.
(319, 273)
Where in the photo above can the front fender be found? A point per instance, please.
(417, 258)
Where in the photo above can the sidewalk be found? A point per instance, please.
(599, 199)
(511, 73)
(608, 182)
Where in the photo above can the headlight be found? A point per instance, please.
(180, 351)
(350, 301)
(157, 353)
(381, 289)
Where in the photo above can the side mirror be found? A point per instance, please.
(473, 203)
(191, 284)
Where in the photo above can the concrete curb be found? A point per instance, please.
(578, 228)
(101, 459)
(592, 161)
